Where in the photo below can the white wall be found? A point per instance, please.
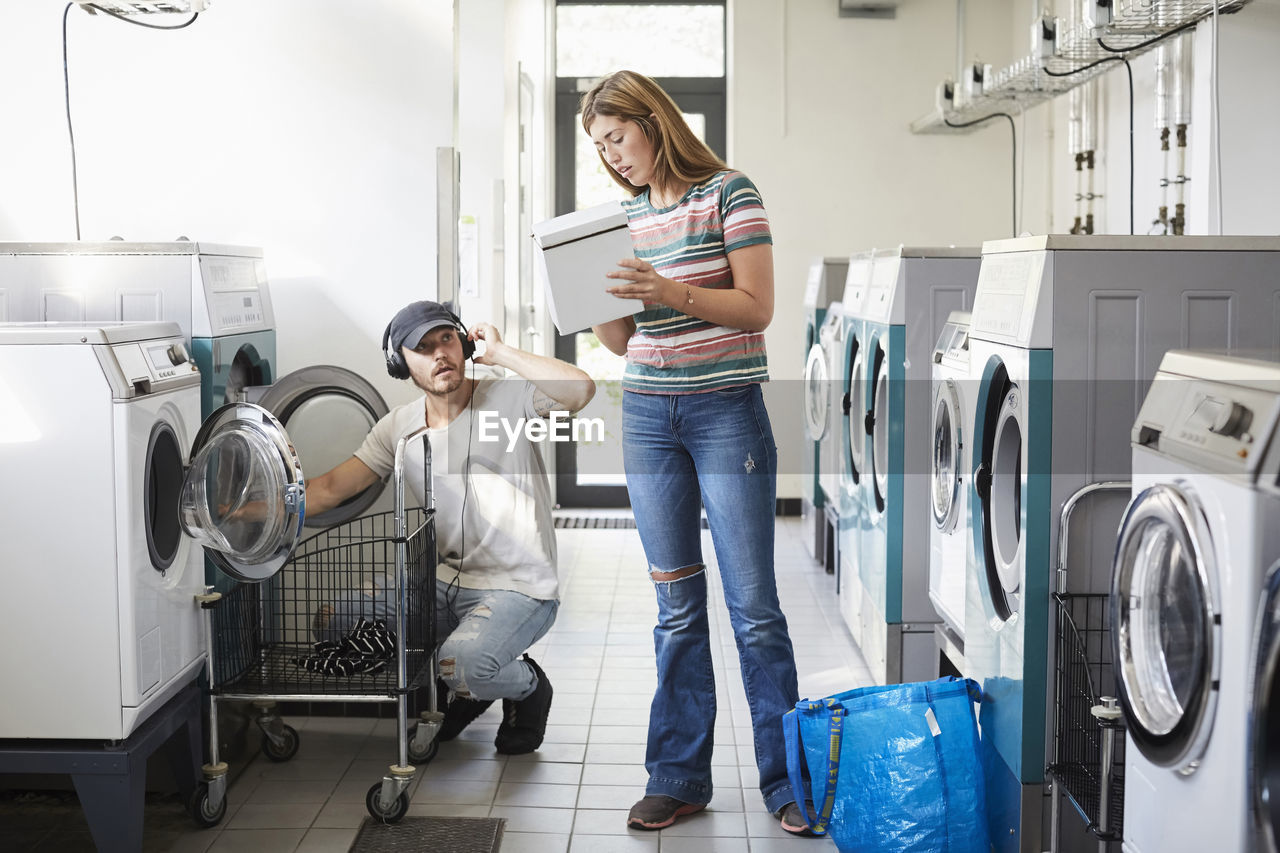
(819, 114)
(306, 127)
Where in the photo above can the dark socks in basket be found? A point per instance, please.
(364, 650)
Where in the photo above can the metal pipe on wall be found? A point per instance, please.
(1163, 97)
(1183, 86)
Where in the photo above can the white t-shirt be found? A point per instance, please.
(505, 537)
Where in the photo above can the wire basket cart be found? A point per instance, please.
(1088, 733)
(349, 618)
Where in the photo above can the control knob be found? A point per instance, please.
(1232, 421)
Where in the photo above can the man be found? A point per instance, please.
(496, 579)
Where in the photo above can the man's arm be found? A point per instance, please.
(562, 386)
(336, 485)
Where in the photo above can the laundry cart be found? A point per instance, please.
(349, 618)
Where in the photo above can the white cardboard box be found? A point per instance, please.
(575, 251)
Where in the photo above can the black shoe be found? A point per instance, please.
(459, 714)
(524, 721)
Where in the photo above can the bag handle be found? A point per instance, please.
(795, 748)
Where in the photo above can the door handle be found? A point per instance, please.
(869, 422)
(982, 481)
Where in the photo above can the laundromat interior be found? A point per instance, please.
(1018, 264)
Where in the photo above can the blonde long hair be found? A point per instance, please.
(678, 155)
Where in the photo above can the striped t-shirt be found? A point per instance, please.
(671, 352)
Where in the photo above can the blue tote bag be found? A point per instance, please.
(894, 768)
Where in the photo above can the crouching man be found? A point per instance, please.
(496, 580)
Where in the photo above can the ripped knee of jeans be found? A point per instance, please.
(659, 576)
(450, 675)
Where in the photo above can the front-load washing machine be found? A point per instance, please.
(831, 345)
(111, 482)
(953, 399)
(913, 291)
(825, 277)
(1194, 546)
(852, 389)
(1263, 760)
(1066, 333)
(220, 298)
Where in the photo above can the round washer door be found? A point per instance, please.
(945, 467)
(327, 411)
(1165, 634)
(880, 429)
(997, 480)
(1264, 733)
(817, 394)
(856, 413)
(243, 498)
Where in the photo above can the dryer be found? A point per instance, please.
(1194, 546)
(949, 466)
(852, 391)
(912, 293)
(1066, 333)
(826, 275)
(111, 482)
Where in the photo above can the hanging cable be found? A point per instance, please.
(188, 22)
(66, 92)
(1013, 169)
(1102, 44)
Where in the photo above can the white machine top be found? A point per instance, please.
(825, 276)
(125, 247)
(1218, 411)
(51, 332)
(884, 301)
(1127, 242)
(857, 282)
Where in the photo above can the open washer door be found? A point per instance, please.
(855, 412)
(1164, 616)
(243, 497)
(1264, 721)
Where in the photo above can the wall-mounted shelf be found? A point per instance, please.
(146, 7)
(1136, 27)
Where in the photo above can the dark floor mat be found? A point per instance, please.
(455, 834)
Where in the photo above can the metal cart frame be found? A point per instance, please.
(388, 799)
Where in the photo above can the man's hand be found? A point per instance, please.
(492, 339)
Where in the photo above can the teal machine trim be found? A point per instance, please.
(259, 347)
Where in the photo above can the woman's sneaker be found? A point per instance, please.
(524, 721)
(658, 811)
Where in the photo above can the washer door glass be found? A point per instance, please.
(880, 429)
(243, 498)
(817, 394)
(1006, 491)
(1163, 610)
(1264, 735)
(856, 413)
(945, 480)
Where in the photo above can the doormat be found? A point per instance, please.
(592, 522)
(454, 834)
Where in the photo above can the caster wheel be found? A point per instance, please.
(286, 750)
(202, 811)
(398, 808)
(423, 756)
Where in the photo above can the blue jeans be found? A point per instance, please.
(479, 657)
(715, 449)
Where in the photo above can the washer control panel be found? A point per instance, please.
(148, 367)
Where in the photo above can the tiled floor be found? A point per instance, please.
(573, 793)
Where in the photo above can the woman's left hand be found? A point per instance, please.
(643, 282)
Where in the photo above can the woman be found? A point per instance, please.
(695, 431)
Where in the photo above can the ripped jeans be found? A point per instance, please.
(716, 450)
(479, 658)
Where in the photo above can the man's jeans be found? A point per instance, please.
(717, 447)
(478, 658)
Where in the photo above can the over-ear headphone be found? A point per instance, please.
(396, 366)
